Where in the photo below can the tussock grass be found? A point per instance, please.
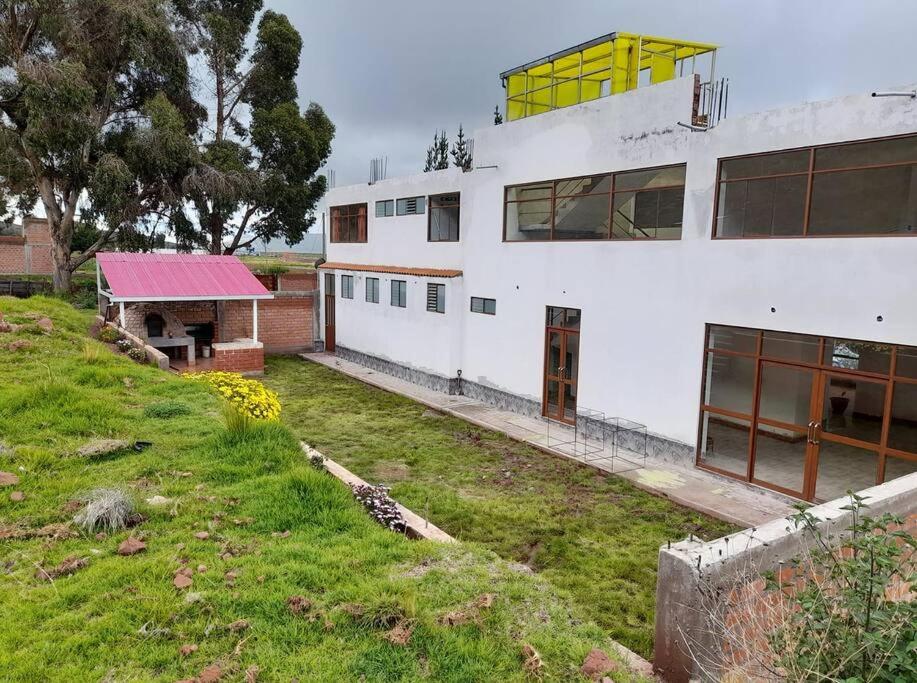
(595, 537)
(121, 618)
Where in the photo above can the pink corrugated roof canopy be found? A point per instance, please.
(177, 277)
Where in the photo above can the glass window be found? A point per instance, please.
(444, 218)
(522, 193)
(652, 214)
(586, 185)
(348, 223)
(906, 362)
(372, 290)
(568, 318)
(729, 382)
(583, 217)
(856, 355)
(878, 201)
(733, 339)
(528, 220)
(399, 293)
(385, 208)
(651, 178)
(788, 346)
(758, 165)
(347, 286)
(902, 431)
(410, 206)
(329, 283)
(436, 297)
(724, 443)
(481, 305)
(762, 208)
(898, 467)
(869, 153)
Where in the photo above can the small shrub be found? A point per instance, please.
(106, 510)
(166, 409)
(124, 345)
(91, 352)
(109, 335)
(137, 355)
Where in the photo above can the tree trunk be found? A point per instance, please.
(60, 255)
(216, 233)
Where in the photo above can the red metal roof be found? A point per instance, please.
(163, 277)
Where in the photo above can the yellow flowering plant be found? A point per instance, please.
(248, 398)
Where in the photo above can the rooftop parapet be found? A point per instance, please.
(608, 65)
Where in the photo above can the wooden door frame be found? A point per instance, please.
(561, 380)
(330, 314)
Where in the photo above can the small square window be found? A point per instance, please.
(399, 293)
(410, 206)
(372, 290)
(482, 305)
(385, 208)
(347, 286)
(443, 221)
(436, 297)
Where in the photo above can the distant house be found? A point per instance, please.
(25, 249)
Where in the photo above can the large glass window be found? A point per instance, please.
(443, 219)
(862, 188)
(348, 223)
(643, 204)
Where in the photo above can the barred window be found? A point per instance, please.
(436, 297)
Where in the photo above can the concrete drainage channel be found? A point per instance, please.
(417, 527)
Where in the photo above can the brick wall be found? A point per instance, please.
(29, 254)
(298, 282)
(713, 612)
(284, 323)
(233, 357)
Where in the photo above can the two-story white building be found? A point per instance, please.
(746, 287)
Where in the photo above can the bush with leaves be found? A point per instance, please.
(109, 335)
(850, 617)
(137, 355)
(248, 397)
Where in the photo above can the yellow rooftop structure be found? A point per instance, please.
(608, 65)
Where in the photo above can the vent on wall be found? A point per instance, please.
(410, 206)
(436, 297)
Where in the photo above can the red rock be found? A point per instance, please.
(17, 496)
(211, 674)
(181, 581)
(188, 649)
(596, 664)
(202, 535)
(201, 568)
(45, 325)
(131, 546)
(8, 479)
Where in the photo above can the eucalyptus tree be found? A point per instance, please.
(96, 116)
(259, 155)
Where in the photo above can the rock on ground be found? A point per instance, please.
(98, 447)
(8, 479)
(596, 664)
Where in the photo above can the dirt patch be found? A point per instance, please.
(401, 632)
(391, 471)
(67, 567)
(17, 533)
(471, 613)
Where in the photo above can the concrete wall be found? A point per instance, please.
(644, 304)
(710, 595)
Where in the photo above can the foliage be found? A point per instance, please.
(256, 179)
(588, 533)
(124, 345)
(108, 334)
(380, 506)
(249, 397)
(164, 410)
(278, 525)
(498, 117)
(105, 510)
(92, 352)
(850, 623)
(95, 111)
(137, 355)
(272, 269)
(461, 151)
(438, 153)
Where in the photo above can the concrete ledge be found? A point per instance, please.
(415, 526)
(154, 356)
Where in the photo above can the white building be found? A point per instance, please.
(757, 278)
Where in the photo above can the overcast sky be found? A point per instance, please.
(390, 73)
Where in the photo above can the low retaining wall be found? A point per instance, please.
(703, 587)
(154, 356)
(242, 355)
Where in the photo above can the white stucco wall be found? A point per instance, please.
(644, 304)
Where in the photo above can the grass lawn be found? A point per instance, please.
(277, 528)
(262, 263)
(595, 537)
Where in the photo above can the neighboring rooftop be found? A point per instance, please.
(171, 277)
(607, 65)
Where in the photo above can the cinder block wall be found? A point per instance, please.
(704, 590)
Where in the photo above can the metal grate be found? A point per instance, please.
(436, 297)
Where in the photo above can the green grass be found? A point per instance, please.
(120, 618)
(275, 264)
(595, 537)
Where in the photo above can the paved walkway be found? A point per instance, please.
(716, 496)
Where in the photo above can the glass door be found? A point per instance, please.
(848, 434)
(784, 450)
(561, 364)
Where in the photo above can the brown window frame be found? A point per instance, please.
(431, 209)
(810, 175)
(611, 196)
(346, 211)
(883, 451)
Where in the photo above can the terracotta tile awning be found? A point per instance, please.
(395, 270)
